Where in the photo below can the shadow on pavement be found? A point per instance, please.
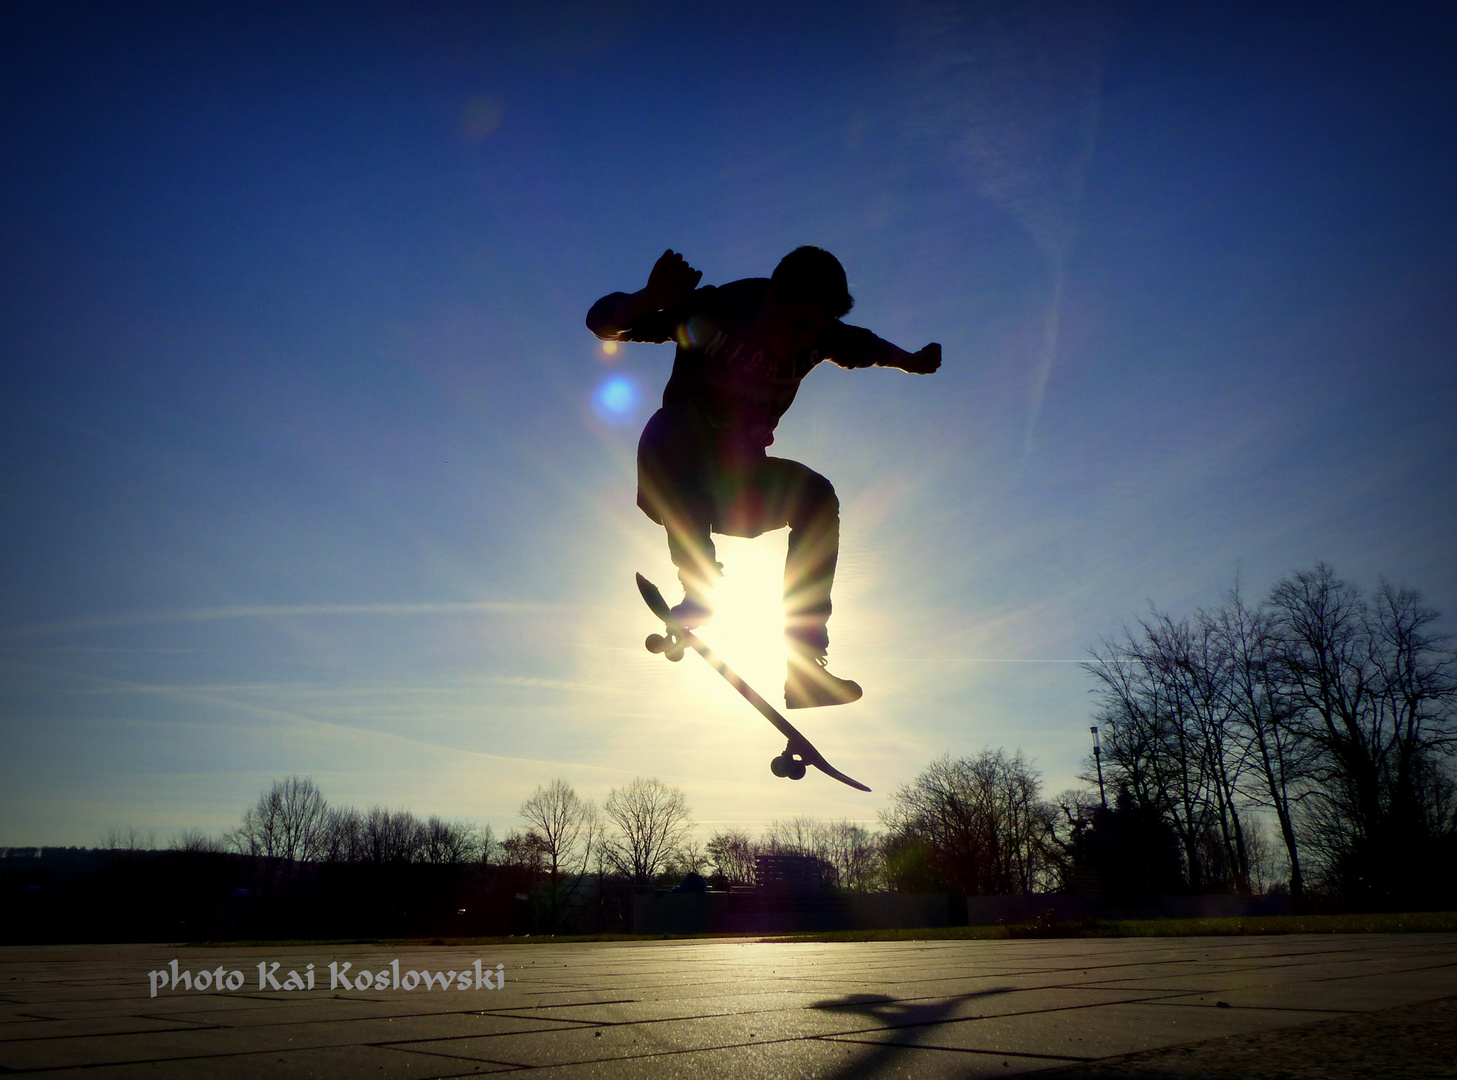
(897, 1014)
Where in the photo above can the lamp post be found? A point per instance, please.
(1098, 760)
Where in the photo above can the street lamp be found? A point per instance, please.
(1098, 760)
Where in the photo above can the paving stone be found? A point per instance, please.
(106, 1050)
(333, 1064)
(1343, 995)
(1417, 1042)
(70, 1029)
(856, 1013)
(1093, 1032)
(307, 1011)
(669, 1008)
(720, 1007)
(809, 1059)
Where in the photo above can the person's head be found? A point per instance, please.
(811, 275)
(807, 292)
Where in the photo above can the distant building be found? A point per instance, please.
(795, 873)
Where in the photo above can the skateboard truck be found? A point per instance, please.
(788, 764)
(669, 644)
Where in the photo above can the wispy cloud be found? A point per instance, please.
(1013, 92)
(218, 700)
(281, 611)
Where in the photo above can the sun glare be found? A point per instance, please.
(747, 630)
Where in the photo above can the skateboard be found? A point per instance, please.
(799, 752)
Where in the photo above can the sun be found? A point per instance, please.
(747, 630)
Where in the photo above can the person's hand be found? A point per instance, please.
(671, 282)
(925, 361)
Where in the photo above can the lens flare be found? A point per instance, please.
(748, 620)
(616, 400)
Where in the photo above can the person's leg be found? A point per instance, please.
(674, 474)
(793, 494)
(806, 502)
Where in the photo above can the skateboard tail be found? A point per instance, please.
(655, 601)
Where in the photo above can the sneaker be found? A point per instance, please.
(810, 684)
(691, 613)
(696, 609)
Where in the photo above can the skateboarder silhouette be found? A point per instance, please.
(743, 349)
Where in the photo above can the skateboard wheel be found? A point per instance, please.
(675, 653)
(656, 643)
(779, 766)
(796, 770)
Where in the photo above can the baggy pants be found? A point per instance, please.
(695, 483)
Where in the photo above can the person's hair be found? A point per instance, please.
(812, 275)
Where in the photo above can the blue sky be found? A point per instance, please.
(305, 467)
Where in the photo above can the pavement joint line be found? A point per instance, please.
(1158, 998)
(1153, 1000)
(575, 1005)
(1373, 974)
(392, 1016)
(964, 1050)
(404, 1048)
(1261, 1008)
(119, 1034)
(503, 1015)
(216, 1057)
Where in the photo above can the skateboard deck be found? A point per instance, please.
(799, 752)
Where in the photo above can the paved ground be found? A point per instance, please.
(1095, 1008)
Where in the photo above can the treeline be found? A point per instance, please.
(1303, 743)
(296, 866)
(966, 826)
(1327, 710)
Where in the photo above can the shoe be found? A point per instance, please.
(810, 684)
(691, 613)
(695, 609)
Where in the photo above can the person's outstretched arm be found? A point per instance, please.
(856, 347)
(672, 281)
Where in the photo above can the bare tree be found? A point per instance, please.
(128, 840)
(569, 829)
(1331, 708)
(391, 836)
(1374, 690)
(855, 853)
(286, 826)
(1169, 738)
(979, 821)
(524, 852)
(1279, 759)
(344, 836)
(196, 841)
(651, 820)
(804, 836)
(732, 854)
(691, 857)
(850, 853)
(448, 843)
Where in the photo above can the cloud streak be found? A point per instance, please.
(283, 611)
(1013, 92)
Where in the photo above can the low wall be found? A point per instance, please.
(754, 911)
(994, 910)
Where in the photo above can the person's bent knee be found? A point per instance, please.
(815, 505)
